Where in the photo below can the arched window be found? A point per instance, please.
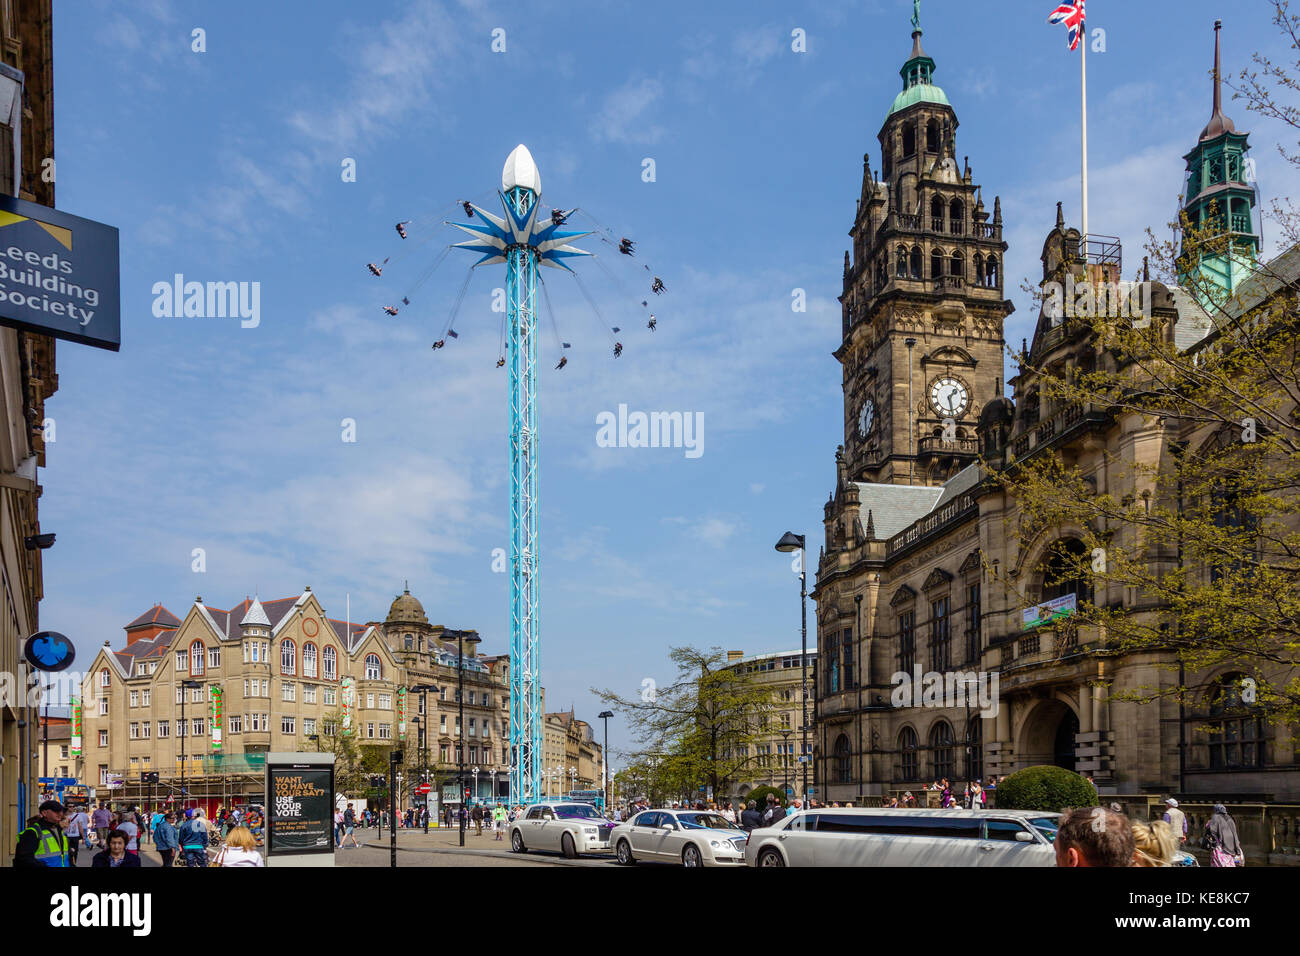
(936, 264)
(309, 660)
(957, 265)
(957, 217)
(842, 759)
(1236, 730)
(941, 749)
(373, 668)
(936, 214)
(331, 662)
(1238, 527)
(979, 268)
(1064, 570)
(909, 767)
(198, 655)
(932, 136)
(288, 657)
(103, 678)
(916, 262)
(902, 262)
(909, 140)
(991, 272)
(409, 642)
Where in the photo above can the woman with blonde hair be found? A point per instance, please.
(240, 849)
(1154, 844)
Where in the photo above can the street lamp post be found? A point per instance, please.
(604, 716)
(394, 785)
(573, 775)
(789, 543)
(422, 728)
(785, 734)
(462, 637)
(186, 685)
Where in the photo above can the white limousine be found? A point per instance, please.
(857, 836)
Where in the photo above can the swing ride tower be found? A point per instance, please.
(523, 243)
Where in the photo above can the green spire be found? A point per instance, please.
(1220, 195)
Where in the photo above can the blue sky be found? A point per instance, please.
(225, 166)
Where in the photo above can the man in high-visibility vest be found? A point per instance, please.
(43, 843)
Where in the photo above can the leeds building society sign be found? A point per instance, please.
(59, 275)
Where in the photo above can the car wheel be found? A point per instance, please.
(770, 857)
(623, 853)
(691, 856)
(566, 845)
(517, 842)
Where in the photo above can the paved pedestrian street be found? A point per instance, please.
(439, 847)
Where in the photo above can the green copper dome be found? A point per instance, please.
(920, 93)
(918, 76)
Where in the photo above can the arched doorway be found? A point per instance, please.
(1048, 735)
(1066, 730)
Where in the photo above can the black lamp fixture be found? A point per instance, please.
(790, 542)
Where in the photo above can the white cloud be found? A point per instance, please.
(622, 116)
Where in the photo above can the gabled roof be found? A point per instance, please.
(895, 507)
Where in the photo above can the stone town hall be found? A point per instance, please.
(910, 530)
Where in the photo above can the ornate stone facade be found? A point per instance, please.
(926, 567)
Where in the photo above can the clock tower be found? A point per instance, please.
(923, 304)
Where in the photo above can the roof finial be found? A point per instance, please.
(1060, 217)
(916, 15)
(406, 585)
(1219, 124)
(1218, 73)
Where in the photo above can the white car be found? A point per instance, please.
(568, 828)
(689, 837)
(830, 836)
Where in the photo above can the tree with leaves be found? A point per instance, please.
(702, 730)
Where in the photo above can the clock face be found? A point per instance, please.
(866, 416)
(949, 397)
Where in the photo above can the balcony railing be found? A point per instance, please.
(937, 445)
(1046, 430)
(955, 510)
(946, 283)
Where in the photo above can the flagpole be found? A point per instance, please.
(1083, 74)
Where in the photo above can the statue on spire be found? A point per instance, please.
(916, 14)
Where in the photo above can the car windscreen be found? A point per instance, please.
(696, 821)
(575, 812)
(1047, 826)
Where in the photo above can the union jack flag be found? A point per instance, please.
(1072, 15)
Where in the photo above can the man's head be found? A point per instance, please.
(798, 804)
(1094, 836)
(1171, 802)
(51, 811)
